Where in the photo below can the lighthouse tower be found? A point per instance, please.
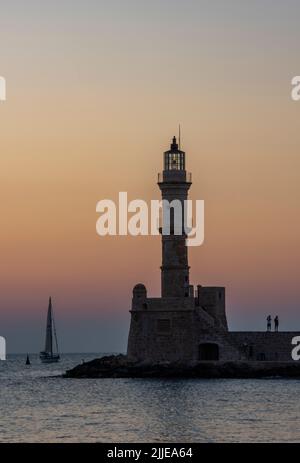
(174, 183)
(179, 326)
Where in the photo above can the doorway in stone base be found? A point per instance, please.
(208, 351)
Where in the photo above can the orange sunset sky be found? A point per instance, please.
(95, 91)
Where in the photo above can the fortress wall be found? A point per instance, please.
(261, 345)
(170, 303)
(161, 336)
(212, 299)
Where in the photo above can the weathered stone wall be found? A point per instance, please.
(161, 336)
(175, 335)
(212, 299)
(174, 268)
(171, 303)
(172, 330)
(269, 346)
(178, 329)
(207, 330)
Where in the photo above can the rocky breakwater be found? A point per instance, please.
(118, 366)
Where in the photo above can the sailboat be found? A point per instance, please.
(49, 355)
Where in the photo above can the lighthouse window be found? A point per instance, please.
(174, 161)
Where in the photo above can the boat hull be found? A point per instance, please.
(49, 358)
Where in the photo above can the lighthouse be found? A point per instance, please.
(182, 325)
(184, 332)
(174, 183)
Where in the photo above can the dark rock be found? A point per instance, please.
(118, 366)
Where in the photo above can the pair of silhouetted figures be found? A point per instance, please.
(269, 323)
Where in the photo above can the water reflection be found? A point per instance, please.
(38, 407)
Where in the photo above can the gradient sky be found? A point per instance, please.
(95, 91)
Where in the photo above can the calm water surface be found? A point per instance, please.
(38, 406)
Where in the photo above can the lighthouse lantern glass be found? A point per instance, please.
(174, 160)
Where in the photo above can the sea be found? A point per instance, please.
(38, 405)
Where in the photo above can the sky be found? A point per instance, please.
(95, 91)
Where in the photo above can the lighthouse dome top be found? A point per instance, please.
(174, 144)
(174, 147)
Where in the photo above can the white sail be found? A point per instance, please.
(48, 356)
(49, 337)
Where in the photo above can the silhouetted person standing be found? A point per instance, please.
(276, 322)
(269, 323)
